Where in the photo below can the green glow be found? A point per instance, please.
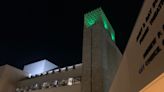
(113, 36)
(105, 26)
(92, 17)
(105, 21)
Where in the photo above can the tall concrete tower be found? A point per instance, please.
(101, 56)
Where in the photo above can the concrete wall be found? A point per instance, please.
(6, 86)
(156, 85)
(73, 88)
(9, 77)
(101, 58)
(86, 60)
(144, 55)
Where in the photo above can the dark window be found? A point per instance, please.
(59, 69)
(154, 3)
(73, 66)
(161, 4)
(143, 25)
(141, 69)
(154, 16)
(67, 68)
(155, 53)
(143, 36)
(149, 47)
(148, 16)
(139, 34)
(159, 34)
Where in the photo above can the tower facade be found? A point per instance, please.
(101, 57)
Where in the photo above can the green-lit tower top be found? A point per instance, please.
(92, 17)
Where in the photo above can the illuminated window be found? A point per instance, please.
(63, 69)
(70, 67)
(78, 65)
(50, 72)
(45, 85)
(56, 70)
(36, 86)
(70, 81)
(44, 73)
(55, 83)
(29, 76)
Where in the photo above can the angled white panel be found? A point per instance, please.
(48, 65)
(38, 67)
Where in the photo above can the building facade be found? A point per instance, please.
(103, 68)
(56, 80)
(142, 63)
(9, 77)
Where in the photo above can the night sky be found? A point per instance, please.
(33, 30)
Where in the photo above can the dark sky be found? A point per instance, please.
(33, 30)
